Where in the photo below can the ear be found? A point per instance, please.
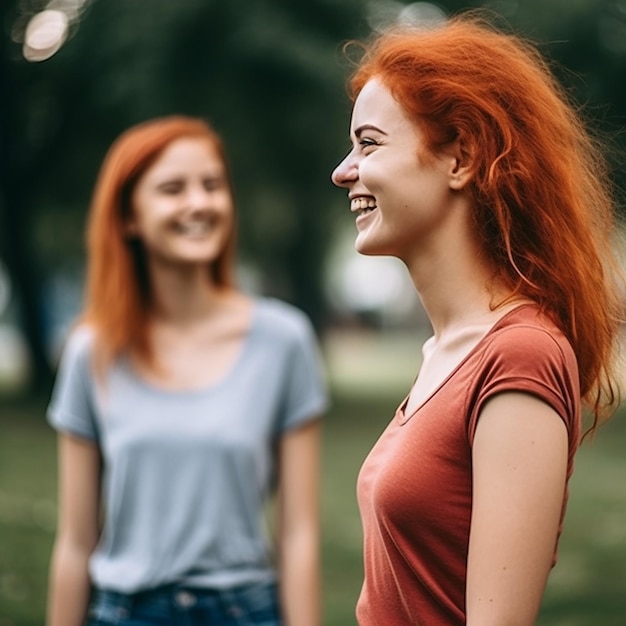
(461, 165)
(131, 230)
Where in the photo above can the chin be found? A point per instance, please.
(371, 248)
(206, 254)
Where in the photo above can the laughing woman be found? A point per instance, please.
(469, 164)
(180, 402)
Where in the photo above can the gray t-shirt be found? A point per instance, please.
(186, 474)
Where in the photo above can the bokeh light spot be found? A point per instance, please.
(422, 14)
(45, 34)
(383, 14)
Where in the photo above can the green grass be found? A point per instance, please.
(349, 432)
(27, 513)
(585, 589)
(587, 585)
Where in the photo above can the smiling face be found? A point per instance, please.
(182, 206)
(399, 192)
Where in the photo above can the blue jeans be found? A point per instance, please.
(176, 605)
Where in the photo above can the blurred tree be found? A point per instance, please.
(269, 77)
(26, 145)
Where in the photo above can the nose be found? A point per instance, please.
(198, 198)
(346, 172)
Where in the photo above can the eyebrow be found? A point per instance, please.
(359, 131)
(169, 180)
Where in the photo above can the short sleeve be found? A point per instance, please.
(531, 360)
(71, 407)
(305, 393)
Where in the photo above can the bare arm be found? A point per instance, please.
(299, 525)
(77, 531)
(519, 472)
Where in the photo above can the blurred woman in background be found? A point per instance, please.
(180, 403)
(469, 164)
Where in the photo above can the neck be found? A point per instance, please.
(455, 284)
(183, 295)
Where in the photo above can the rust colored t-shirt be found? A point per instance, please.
(415, 487)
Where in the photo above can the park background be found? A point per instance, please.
(270, 75)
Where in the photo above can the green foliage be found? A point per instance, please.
(270, 75)
(267, 74)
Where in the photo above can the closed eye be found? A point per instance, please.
(362, 134)
(172, 187)
(212, 184)
(367, 142)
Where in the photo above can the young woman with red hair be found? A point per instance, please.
(180, 402)
(469, 164)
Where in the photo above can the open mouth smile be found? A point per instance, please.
(196, 228)
(362, 205)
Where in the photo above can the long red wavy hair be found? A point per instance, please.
(544, 208)
(117, 301)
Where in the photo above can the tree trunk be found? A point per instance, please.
(17, 178)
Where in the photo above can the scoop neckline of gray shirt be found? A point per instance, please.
(211, 387)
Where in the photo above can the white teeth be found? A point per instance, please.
(362, 204)
(195, 228)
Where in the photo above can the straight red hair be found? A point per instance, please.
(117, 291)
(544, 210)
